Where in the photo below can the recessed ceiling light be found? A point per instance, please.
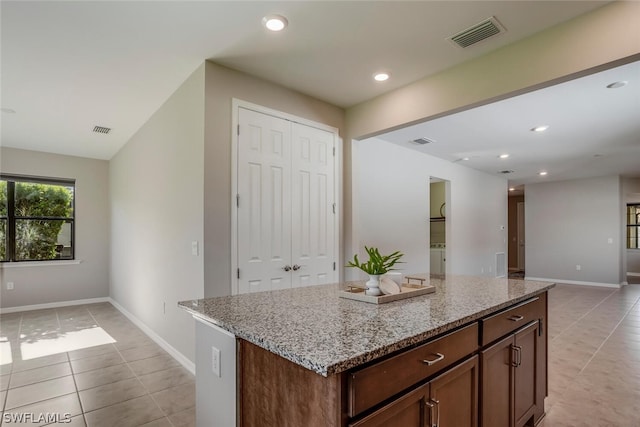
(541, 128)
(616, 85)
(275, 22)
(542, 173)
(464, 159)
(381, 77)
(8, 110)
(503, 156)
(512, 189)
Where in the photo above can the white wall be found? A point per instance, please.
(568, 223)
(391, 208)
(43, 284)
(156, 194)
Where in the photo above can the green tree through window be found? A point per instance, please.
(36, 219)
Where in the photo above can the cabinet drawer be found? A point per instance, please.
(373, 384)
(505, 322)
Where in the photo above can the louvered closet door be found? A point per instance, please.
(264, 210)
(312, 206)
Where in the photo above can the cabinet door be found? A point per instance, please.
(406, 411)
(455, 396)
(525, 372)
(497, 384)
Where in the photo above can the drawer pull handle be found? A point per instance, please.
(516, 318)
(439, 357)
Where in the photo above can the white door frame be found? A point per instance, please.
(236, 104)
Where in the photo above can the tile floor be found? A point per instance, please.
(130, 382)
(594, 357)
(594, 366)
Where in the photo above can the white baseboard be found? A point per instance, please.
(181, 358)
(574, 282)
(59, 304)
(633, 274)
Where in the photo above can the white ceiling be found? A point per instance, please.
(593, 131)
(68, 66)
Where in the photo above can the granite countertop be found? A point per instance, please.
(317, 329)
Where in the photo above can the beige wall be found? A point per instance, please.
(42, 284)
(565, 227)
(222, 85)
(156, 195)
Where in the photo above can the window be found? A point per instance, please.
(36, 218)
(633, 226)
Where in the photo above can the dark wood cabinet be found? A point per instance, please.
(409, 410)
(491, 372)
(510, 379)
(450, 399)
(455, 395)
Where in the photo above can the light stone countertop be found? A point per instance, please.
(318, 330)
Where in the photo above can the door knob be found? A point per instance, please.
(286, 268)
(296, 267)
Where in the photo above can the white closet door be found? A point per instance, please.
(264, 209)
(313, 220)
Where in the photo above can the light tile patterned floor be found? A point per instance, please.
(594, 366)
(594, 357)
(130, 382)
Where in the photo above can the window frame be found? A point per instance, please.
(10, 232)
(635, 225)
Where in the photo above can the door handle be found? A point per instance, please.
(296, 267)
(286, 268)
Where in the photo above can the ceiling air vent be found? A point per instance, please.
(101, 129)
(481, 31)
(423, 141)
(504, 172)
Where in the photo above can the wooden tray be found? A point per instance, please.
(409, 290)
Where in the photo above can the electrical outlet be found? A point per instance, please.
(578, 267)
(9, 286)
(194, 248)
(164, 307)
(215, 361)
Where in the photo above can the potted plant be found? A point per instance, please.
(376, 266)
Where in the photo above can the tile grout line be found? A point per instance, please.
(586, 314)
(74, 378)
(608, 336)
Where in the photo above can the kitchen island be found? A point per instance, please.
(305, 356)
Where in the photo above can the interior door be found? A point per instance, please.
(264, 202)
(313, 198)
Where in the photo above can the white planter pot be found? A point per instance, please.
(373, 285)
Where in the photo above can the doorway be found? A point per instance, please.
(516, 235)
(438, 190)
